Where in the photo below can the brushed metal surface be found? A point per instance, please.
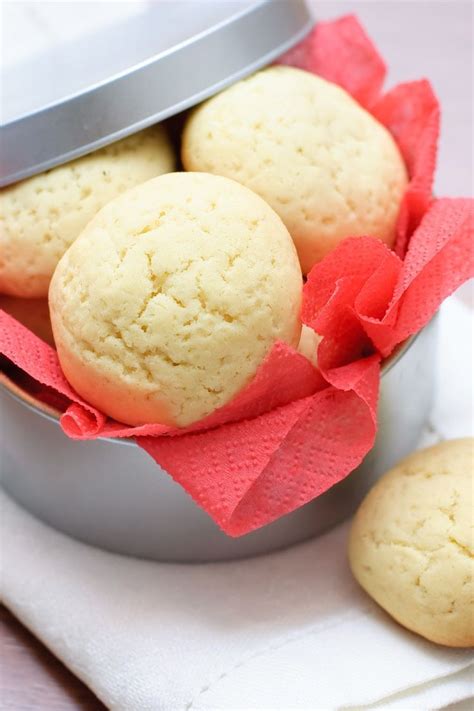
(110, 493)
(61, 106)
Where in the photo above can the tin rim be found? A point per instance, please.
(50, 413)
(74, 136)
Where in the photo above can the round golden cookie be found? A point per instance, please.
(324, 164)
(41, 216)
(170, 299)
(411, 545)
(309, 343)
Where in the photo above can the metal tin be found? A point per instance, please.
(111, 494)
(170, 57)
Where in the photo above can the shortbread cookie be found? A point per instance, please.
(324, 164)
(309, 343)
(40, 217)
(412, 547)
(170, 299)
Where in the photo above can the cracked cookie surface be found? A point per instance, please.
(40, 217)
(324, 164)
(412, 543)
(172, 296)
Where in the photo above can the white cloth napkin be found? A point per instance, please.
(289, 630)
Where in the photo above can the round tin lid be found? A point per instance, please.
(91, 92)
